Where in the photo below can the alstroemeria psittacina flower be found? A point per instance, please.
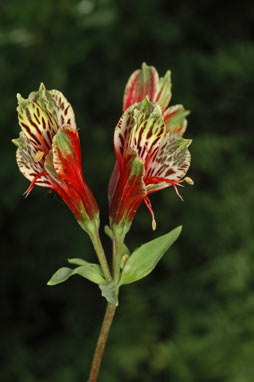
(145, 82)
(149, 159)
(49, 154)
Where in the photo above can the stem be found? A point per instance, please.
(95, 238)
(102, 339)
(117, 257)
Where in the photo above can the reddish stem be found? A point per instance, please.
(98, 354)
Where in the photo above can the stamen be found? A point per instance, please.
(177, 192)
(188, 180)
(149, 206)
(38, 156)
(27, 192)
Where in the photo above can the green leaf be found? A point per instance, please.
(60, 276)
(110, 292)
(144, 259)
(87, 270)
(78, 261)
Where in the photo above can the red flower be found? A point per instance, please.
(49, 154)
(149, 158)
(145, 82)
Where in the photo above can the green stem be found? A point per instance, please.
(102, 339)
(117, 257)
(95, 238)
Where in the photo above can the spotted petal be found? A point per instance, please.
(141, 128)
(27, 165)
(170, 163)
(55, 103)
(42, 114)
(63, 112)
(38, 124)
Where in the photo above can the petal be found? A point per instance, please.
(130, 190)
(163, 93)
(67, 153)
(36, 123)
(27, 165)
(54, 102)
(175, 120)
(171, 162)
(141, 128)
(63, 112)
(113, 181)
(67, 165)
(42, 114)
(141, 83)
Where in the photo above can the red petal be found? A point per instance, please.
(130, 189)
(67, 163)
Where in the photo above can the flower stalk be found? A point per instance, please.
(102, 339)
(118, 242)
(95, 238)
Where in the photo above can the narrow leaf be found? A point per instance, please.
(91, 272)
(144, 259)
(60, 276)
(77, 261)
(87, 270)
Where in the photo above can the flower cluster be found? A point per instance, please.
(151, 153)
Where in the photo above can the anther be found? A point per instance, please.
(188, 180)
(38, 156)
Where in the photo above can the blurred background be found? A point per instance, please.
(192, 319)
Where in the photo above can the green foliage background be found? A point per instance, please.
(192, 320)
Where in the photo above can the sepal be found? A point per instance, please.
(144, 259)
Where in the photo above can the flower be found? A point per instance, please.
(149, 158)
(49, 153)
(145, 82)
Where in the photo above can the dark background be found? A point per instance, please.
(192, 319)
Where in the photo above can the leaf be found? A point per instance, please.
(87, 270)
(60, 276)
(144, 259)
(110, 292)
(77, 261)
